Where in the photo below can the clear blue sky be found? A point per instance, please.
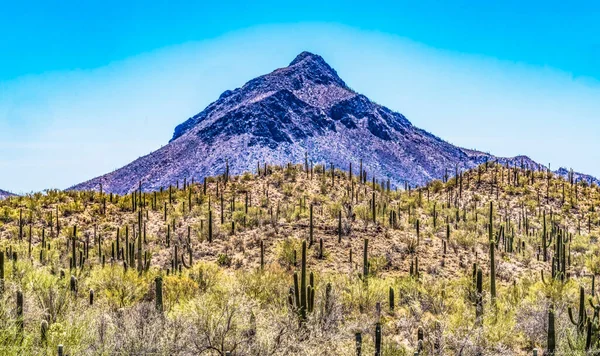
(85, 88)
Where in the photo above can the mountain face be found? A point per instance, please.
(568, 174)
(4, 194)
(304, 108)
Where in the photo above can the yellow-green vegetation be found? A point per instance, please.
(303, 260)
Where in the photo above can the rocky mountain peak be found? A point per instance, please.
(308, 79)
(278, 118)
(305, 55)
(314, 68)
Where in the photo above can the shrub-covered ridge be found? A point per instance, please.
(305, 260)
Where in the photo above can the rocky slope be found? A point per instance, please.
(4, 194)
(305, 108)
(568, 174)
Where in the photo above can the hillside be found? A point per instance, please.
(4, 194)
(302, 109)
(236, 241)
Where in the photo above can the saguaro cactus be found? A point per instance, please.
(303, 293)
(479, 298)
(73, 247)
(159, 293)
(420, 339)
(73, 285)
(544, 244)
(358, 340)
(20, 224)
(551, 340)
(44, 331)
(581, 318)
(210, 226)
(303, 300)
(378, 339)
(140, 265)
(1, 272)
(262, 255)
(492, 243)
(365, 261)
(374, 206)
(20, 310)
(321, 251)
(340, 226)
(311, 227)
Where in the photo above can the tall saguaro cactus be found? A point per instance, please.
(479, 297)
(551, 337)
(303, 301)
(544, 236)
(311, 227)
(303, 293)
(492, 243)
(20, 224)
(73, 247)
(20, 310)
(1, 272)
(159, 293)
(582, 317)
(210, 226)
(366, 261)
(378, 339)
(358, 343)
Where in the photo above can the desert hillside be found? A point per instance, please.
(306, 260)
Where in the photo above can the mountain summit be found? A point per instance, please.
(308, 83)
(304, 108)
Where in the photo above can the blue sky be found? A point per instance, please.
(86, 88)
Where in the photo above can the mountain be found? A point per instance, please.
(566, 173)
(304, 108)
(4, 194)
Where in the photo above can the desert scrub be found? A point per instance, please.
(592, 262)
(276, 179)
(464, 239)
(297, 214)
(291, 173)
(238, 217)
(51, 293)
(201, 299)
(178, 289)
(378, 264)
(206, 275)
(334, 209)
(288, 189)
(8, 215)
(223, 260)
(361, 297)
(436, 186)
(226, 323)
(247, 176)
(120, 288)
(287, 252)
(268, 286)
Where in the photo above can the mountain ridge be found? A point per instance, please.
(4, 194)
(279, 117)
